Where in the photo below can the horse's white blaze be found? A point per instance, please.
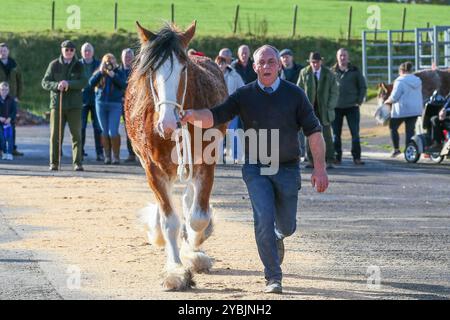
(167, 80)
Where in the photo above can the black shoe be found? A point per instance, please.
(78, 167)
(85, 154)
(273, 286)
(100, 157)
(359, 162)
(337, 162)
(395, 153)
(17, 153)
(53, 167)
(280, 249)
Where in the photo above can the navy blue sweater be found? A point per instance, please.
(88, 91)
(287, 109)
(8, 107)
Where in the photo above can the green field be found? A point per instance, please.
(263, 17)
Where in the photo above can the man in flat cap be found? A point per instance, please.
(65, 76)
(322, 90)
(290, 70)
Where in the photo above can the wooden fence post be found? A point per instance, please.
(173, 12)
(236, 18)
(403, 23)
(115, 16)
(53, 15)
(294, 27)
(349, 32)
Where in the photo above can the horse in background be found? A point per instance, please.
(163, 80)
(431, 80)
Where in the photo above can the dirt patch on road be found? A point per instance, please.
(91, 223)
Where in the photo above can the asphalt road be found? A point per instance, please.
(386, 221)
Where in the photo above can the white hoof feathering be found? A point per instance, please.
(196, 261)
(178, 279)
(149, 216)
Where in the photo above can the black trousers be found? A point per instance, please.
(353, 118)
(410, 125)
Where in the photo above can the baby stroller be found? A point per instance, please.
(421, 141)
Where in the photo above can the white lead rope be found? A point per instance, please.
(181, 132)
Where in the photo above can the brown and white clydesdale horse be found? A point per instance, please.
(164, 79)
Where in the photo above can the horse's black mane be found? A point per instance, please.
(155, 52)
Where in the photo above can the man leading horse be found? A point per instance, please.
(270, 103)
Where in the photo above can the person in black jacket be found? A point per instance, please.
(90, 64)
(352, 91)
(126, 67)
(290, 70)
(8, 111)
(11, 73)
(243, 64)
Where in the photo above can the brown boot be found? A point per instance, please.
(115, 145)
(106, 142)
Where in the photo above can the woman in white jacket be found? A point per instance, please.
(406, 101)
(233, 81)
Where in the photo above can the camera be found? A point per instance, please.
(109, 66)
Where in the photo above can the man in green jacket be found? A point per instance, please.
(10, 73)
(321, 88)
(65, 76)
(352, 90)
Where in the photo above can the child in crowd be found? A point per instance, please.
(8, 111)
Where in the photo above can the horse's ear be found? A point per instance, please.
(187, 36)
(144, 34)
(383, 86)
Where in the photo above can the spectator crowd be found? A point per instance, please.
(93, 88)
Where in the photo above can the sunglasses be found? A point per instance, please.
(69, 49)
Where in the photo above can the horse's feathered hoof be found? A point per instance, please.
(196, 261)
(179, 279)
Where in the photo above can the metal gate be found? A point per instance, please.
(387, 49)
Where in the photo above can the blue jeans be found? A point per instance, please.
(235, 124)
(8, 139)
(109, 115)
(353, 117)
(95, 125)
(274, 202)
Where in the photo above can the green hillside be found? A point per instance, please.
(262, 17)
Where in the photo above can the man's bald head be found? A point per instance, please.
(243, 53)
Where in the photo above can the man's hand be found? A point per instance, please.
(442, 114)
(202, 118)
(319, 180)
(187, 117)
(63, 85)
